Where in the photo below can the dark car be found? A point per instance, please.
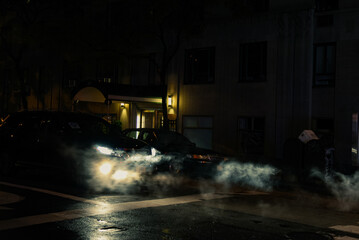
(179, 153)
(64, 142)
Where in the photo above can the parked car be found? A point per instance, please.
(180, 155)
(63, 142)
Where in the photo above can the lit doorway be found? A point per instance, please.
(151, 118)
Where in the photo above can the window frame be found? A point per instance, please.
(324, 6)
(189, 77)
(318, 122)
(198, 127)
(252, 130)
(331, 82)
(244, 48)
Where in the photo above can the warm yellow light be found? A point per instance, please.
(170, 101)
(105, 168)
(120, 175)
(122, 105)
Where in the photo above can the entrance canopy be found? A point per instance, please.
(135, 99)
(119, 92)
(89, 94)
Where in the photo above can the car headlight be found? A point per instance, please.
(105, 168)
(120, 175)
(104, 150)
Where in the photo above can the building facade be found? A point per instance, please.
(259, 74)
(253, 82)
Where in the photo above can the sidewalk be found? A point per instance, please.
(297, 205)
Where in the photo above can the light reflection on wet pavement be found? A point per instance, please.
(220, 214)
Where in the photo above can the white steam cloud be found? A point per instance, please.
(123, 175)
(105, 173)
(248, 174)
(345, 188)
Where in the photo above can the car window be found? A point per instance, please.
(132, 134)
(99, 127)
(145, 136)
(82, 124)
(182, 140)
(149, 136)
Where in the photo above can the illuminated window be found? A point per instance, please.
(251, 135)
(253, 62)
(324, 64)
(199, 66)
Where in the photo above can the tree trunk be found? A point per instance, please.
(23, 87)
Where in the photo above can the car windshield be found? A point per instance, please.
(85, 125)
(167, 138)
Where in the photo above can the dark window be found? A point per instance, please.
(107, 71)
(324, 64)
(324, 21)
(253, 62)
(251, 135)
(72, 74)
(199, 66)
(152, 70)
(326, 5)
(247, 7)
(256, 5)
(323, 125)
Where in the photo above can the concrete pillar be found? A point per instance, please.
(294, 76)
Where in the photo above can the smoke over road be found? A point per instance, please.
(345, 188)
(248, 174)
(106, 173)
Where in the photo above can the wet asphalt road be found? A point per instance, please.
(184, 209)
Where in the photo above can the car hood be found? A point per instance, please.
(188, 149)
(111, 141)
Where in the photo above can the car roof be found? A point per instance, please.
(147, 129)
(56, 115)
(51, 113)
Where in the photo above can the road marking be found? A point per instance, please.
(347, 228)
(344, 238)
(57, 194)
(104, 209)
(8, 198)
